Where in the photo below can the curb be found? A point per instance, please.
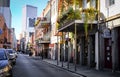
(66, 69)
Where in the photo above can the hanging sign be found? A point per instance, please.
(106, 33)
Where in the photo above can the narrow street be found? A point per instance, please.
(29, 67)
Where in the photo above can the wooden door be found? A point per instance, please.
(119, 48)
(108, 53)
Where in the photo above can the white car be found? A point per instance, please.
(15, 53)
(5, 65)
(12, 55)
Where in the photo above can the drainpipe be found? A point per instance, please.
(98, 23)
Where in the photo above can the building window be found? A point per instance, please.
(5, 3)
(111, 2)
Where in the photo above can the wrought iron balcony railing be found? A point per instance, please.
(45, 38)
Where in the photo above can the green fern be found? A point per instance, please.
(90, 14)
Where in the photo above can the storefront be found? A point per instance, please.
(107, 48)
(111, 46)
(85, 47)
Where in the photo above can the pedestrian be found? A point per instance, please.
(42, 54)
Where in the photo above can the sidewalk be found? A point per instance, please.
(83, 70)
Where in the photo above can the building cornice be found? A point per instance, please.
(113, 17)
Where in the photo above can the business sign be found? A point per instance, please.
(106, 33)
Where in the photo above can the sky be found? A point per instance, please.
(16, 10)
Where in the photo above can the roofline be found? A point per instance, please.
(30, 6)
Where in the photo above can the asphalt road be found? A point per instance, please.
(29, 67)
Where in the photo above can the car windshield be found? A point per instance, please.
(10, 51)
(2, 55)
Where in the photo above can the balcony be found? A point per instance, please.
(42, 22)
(45, 39)
(79, 17)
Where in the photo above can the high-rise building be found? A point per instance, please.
(6, 12)
(29, 14)
(5, 27)
(5, 3)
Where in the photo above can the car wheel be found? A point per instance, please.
(11, 74)
(14, 63)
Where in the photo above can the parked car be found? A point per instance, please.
(5, 65)
(15, 53)
(12, 55)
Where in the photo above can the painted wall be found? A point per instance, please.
(108, 10)
(6, 12)
(54, 13)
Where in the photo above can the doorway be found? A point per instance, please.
(118, 48)
(108, 53)
(93, 64)
(85, 51)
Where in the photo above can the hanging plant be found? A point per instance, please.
(63, 18)
(90, 14)
(57, 25)
(77, 14)
(70, 13)
(86, 24)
